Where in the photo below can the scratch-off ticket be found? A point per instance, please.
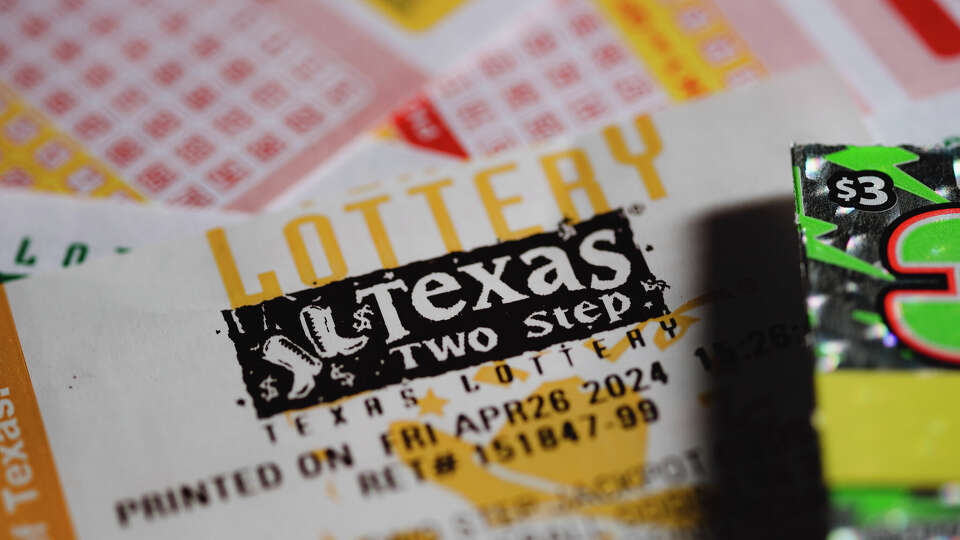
(881, 232)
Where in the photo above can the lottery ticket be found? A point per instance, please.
(576, 64)
(881, 227)
(41, 233)
(506, 350)
(568, 67)
(210, 103)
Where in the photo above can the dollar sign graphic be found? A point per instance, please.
(363, 323)
(845, 189)
(270, 391)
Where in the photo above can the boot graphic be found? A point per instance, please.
(319, 326)
(281, 351)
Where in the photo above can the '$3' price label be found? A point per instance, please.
(863, 190)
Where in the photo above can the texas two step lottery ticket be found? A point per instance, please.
(512, 349)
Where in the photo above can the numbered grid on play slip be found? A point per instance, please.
(565, 72)
(191, 102)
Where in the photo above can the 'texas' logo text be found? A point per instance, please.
(442, 314)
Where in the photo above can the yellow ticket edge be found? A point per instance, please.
(889, 427)
(416, 15)
(14, 155)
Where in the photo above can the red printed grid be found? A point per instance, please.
(566, 72)
(190, 101)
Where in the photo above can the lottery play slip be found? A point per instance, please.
(208, 103)
(574, 65)
(516, 348)
(881, 234)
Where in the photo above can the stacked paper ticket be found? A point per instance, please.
(574, 65)
(531, 272)
(223, 103)
(514, 348)
(253, 104)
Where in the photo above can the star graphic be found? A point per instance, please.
(431, 403)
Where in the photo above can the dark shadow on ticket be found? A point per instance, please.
(766, 460)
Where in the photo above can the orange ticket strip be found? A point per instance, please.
(688, 45)
(32, 500)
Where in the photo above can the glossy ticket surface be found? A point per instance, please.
(207, 103)
(575, 65)
(505, 350)
(881, 226)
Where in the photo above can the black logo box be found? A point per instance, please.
(443, 314)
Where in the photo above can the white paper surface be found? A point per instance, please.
(140, 389)
(46, 232)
